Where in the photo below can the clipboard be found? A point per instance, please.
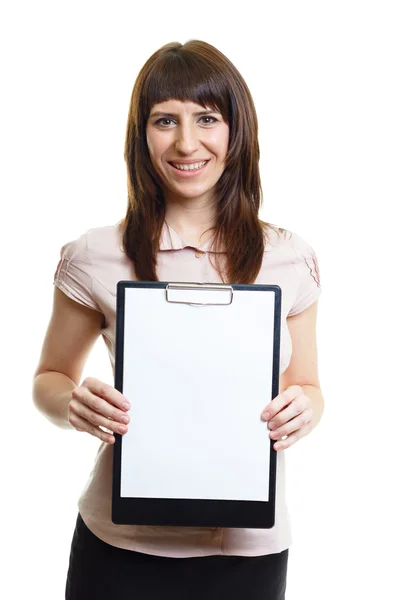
(199, 363)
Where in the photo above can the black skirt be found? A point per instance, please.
(98, 571)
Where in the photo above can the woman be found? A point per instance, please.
(194, 194)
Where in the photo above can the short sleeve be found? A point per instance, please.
(72, 275)
(306, 267)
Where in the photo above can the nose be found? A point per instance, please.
(187, 139)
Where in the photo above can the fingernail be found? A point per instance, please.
(266, 415)
(126, 405)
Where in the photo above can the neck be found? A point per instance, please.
(190, 220)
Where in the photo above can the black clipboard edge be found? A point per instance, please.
(155, 504)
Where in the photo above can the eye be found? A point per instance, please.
(159, 121)
(214, 120)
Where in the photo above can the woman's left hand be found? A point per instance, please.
(289, 414)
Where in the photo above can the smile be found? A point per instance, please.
(188, 170)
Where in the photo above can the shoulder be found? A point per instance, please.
(304, 257)
(299, 245)
(288, 247)
(94, 244)
(104, 241)
(288, 241)
(290, 262)
(276, 237)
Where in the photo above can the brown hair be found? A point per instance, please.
(197, 72)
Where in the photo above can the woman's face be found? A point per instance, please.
(176, 134)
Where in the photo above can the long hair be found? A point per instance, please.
(196, 72)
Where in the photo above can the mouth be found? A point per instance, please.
(188, 172)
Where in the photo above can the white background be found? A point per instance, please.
(325, 80)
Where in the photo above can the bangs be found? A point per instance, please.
(186, 77)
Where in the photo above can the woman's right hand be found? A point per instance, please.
(95, 403)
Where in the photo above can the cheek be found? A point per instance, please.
(152, 143)
(156, 146)
(219, 143)
(149, 145)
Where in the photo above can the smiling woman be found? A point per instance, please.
(192, 159)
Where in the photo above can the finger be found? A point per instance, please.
(83, 425)
(296, 424)
(99, 405)
(108, 392)
(292, 438)
(281, 401)
(296, 407)
(95, 418)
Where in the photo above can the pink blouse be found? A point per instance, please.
(88, 271)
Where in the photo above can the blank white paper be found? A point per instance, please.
(197, 378)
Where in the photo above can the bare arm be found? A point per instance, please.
(71, 333)
(52, 395)
(303, 367)
(299, 406)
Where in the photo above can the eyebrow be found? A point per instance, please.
(195, 114)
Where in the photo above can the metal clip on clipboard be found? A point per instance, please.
(188, 293)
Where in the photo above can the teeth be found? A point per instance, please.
(192, 167)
